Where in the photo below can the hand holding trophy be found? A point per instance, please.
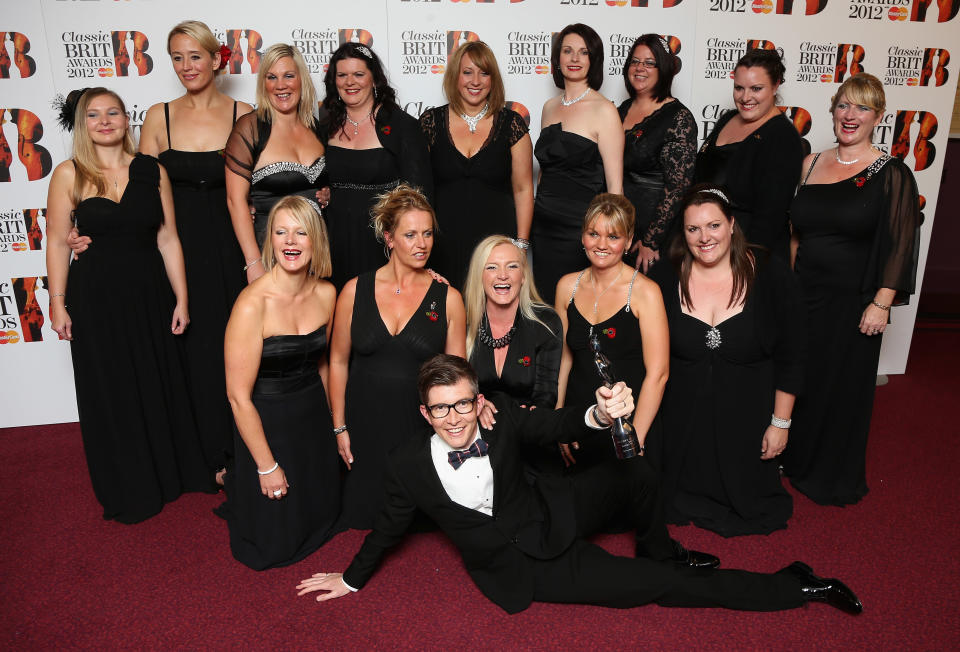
(625, 441)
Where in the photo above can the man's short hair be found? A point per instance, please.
(444, 369)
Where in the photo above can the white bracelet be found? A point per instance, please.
(276, 465)
(777, 422)
(251, 264)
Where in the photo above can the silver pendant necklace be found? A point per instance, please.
(836, 156)
(596, 302)
(564, 101)
(472, 121)
(356, 123)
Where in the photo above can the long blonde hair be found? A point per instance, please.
(85, 160)
(307, 217)
(308, 93)
(476, 299)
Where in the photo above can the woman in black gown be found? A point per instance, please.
(754, 152)
(283, 491)
(138, 433)
(856, 223)
(736, 364)
(660, 145)
(372, 146)
(580, 151)
(623, 310)
(478, 149)
(274, 151)
(513, 337)
(390, 321)
(192, 154)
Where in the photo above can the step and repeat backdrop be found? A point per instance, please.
(52, 46)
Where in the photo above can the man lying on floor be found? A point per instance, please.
(522, 543)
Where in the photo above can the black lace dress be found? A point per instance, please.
(274, 181)
(292, 404)
(760, 174)
(214, 266)
(474, 196)
(138, 432)
(381, 395)
(856, 236)
(571, 174)
(658, 159)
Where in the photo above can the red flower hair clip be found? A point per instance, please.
(225, 53)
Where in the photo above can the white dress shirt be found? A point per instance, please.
(471, 485)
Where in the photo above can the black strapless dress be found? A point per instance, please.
(274, 181)
(214, 265)
(571, 175)
(138, 432)
(292, 404)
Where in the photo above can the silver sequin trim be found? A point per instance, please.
(311, 173)
(390, 185)
(713, 338)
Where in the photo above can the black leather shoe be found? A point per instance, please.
(830, 590)
(693, 558)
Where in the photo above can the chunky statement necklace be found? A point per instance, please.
(564, 101)
(836, 155)
(356, 123)
(472, 121)
(484, 336)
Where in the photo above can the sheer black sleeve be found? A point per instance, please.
(677, 157)
(517, 127)
(548, 351)
(896, 245)
(243, 146)
(429, 126)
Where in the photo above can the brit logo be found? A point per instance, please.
(908, 134)
(106, 54)
(528, 53)
(34, 158)
(245, 46)
(22, 230)
(829, 62)
(24, 63)
(723, 54)
(423, 53)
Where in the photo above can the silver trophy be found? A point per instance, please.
(625, 441)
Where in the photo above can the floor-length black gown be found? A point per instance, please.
(138, 432)
(292, 404)
(571, 174)
(473, 196)
(856, 236)
(357, 176)
(214, 266)
(382, 406)
(620, 340)
(717, 406)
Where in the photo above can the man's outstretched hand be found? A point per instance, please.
(330, 583)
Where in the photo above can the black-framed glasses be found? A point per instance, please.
(463, 406)
(646, 63)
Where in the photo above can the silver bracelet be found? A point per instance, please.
(276, 465)
(881, 306)
(251, 264)
(521, 243)
(339, 429)
(777, 422)
(596, 418)
(57, 294)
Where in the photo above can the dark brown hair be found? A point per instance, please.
(769, 60)
(594, 49)
(742, 260)
(666, 66)
(444, 369)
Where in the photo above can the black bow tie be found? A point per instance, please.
(478, 448)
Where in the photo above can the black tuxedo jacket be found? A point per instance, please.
(528, 522)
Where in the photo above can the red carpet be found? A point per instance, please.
(71, 580)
